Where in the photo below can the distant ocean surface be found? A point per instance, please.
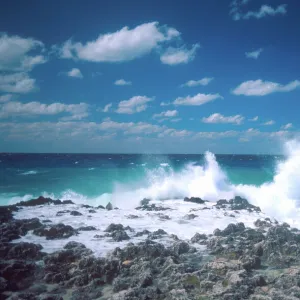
(124, 178)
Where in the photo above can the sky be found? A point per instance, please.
(149, 76)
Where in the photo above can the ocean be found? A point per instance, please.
(270, 182)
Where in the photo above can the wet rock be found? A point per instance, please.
(163, 217)
(43, 201)
(87, 228)
(250, 263)
(62, 212)
(157, 234)
(230, 229)
(141, 233)
(190, 217)
(109, 206)
(239, 203)
(198, 238)
(75, 213)
(180, 248)
(145, 201)
(46, 221)
(100, 207)
(152, 207)
(59, 231)
(132, 217)
(92, 211)
(194, 200)
(262, 223)
(25, 251)
(86, 206)
(119, 236)
(6, 213)
(114, 227)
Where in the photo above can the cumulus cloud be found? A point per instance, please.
(165, 103)
(287, 126)
(196, 100)
(12, 109)
(269, 123)
(123, 45)
(166, 114)
(203, 82)
(76, 73)
(238, 12)
(254, 119)
(106, 108)
(15, 53)
(5, 98)
(135, 104)
(262, 88)
(254, 54)
(174, 56)
(17, 83)
(219, 118)
(122, 82)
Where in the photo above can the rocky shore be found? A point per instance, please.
(237, 262)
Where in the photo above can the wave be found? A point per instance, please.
(31, 172)
(280, 197)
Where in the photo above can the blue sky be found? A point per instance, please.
(147, 76)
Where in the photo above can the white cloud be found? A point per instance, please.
(203, 82)
(76, 73)
(264, 11)
(254, 54)
(262, 88)
(106, 108)
(196, 100)
(174, 56)
(17, 83)
(123, 45)
(219, 118)
(122, 82)
(166, 114)
(269, 123)
(287, 126)
(10, 109)
(135, 104)
(5, 98)
(165, 103)
(15, 50)
(254, 119)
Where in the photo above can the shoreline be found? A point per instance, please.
(235, 262)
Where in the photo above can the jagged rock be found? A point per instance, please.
(198, 237)
(109, 206)
(62, 212)
(119, 236)
(92, 211)
(144, 202)
(250, 263)
(114, 227)
(152, 207)
(59, 231)
(190, 217)
(75, 213)
(230, 229)
(100, 207)
(194, 200)
(141, 233)
(262, 223)
(132, 217)
(43, 201)
(26, 251)
(157, 234)
(87, 228)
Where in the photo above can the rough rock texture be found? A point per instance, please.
(234, 263)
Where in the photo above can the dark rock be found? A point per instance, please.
(75, 213)
(114, 227)
(87, 228)
(6, 213)
(59, 231)
(262, 223)
(239, 203)
(132, 217)
(72, 245)
(230, 229)
(163, 217)
(62, 212)
(86, 206)
(119, 236)
(100, 207)
(43, 201)
(92, 211)
(144, 202)
(190, 217)
(198, 237)
(180, 248)
(47, 221)
(194, 200)
(109, 206)
(157, 234)
(26, 251)
(152, 207)
(141, 233)
(250, 263)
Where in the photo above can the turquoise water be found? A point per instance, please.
(90, 176)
